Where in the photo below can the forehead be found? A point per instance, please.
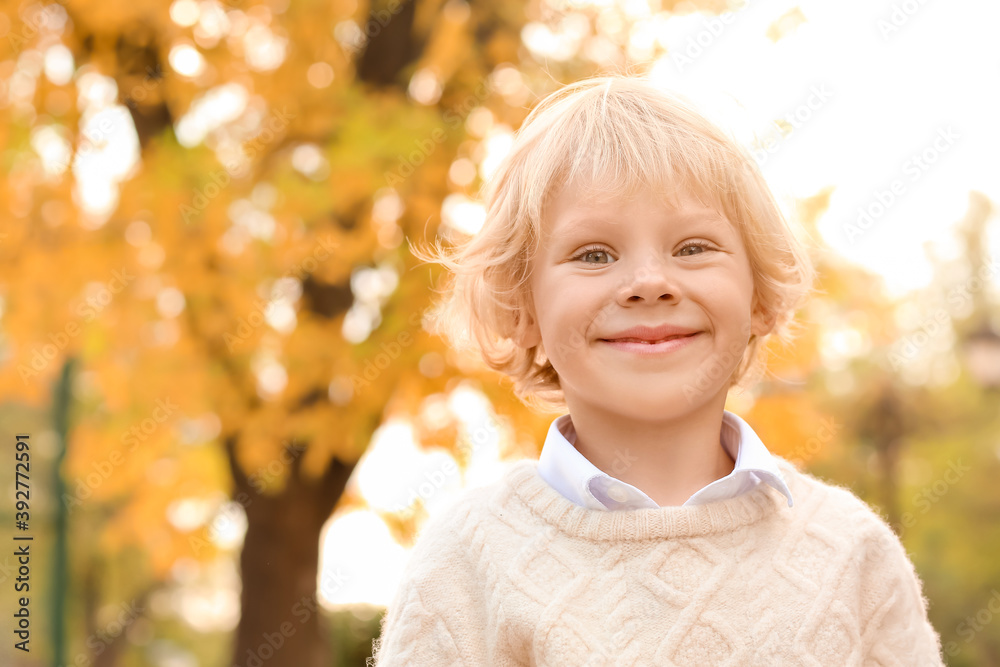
(577, 208)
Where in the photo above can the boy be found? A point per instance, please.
(631, 265)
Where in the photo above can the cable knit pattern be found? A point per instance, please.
(515, 574)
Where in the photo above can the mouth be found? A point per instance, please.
(647, 342)
(649, 347)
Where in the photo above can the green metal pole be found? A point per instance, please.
(60, 417)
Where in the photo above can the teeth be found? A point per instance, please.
(648, 342)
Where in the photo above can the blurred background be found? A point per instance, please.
(211, 326)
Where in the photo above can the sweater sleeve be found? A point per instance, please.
(899, 631)
(438, 615)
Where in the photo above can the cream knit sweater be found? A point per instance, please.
(515, 574)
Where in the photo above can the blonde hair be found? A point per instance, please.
(624, 132)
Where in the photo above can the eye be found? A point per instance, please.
(705, 246)
(594, 250)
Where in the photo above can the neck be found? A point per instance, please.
(668, 457)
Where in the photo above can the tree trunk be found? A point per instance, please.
(280, 613)
(280, 620)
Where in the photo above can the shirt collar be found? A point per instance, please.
(576, 478)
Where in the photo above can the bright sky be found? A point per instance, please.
(890, 94)
(360, 560)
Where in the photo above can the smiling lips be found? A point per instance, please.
(650, 335)
(642, 340)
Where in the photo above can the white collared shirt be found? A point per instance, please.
(570, 473)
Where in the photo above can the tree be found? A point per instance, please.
(177, 297)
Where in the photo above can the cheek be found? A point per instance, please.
(727, 290)
(563, 331)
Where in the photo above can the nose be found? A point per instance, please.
(650, 282)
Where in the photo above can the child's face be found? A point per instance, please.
(606, 267)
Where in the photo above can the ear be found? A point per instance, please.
(526, 332)
(761, 321)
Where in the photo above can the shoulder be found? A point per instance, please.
(832, 525)
(873, 566)
(823, 504)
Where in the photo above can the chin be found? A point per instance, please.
(648, 405)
